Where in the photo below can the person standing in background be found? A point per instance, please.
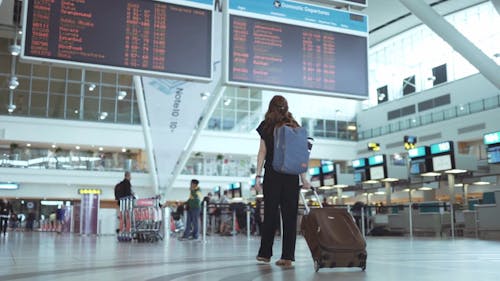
(124, 188)
(193, 213)
(5, 211)
(281, 191)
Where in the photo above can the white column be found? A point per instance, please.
(451, 186)
(147, 133)
(388, 193)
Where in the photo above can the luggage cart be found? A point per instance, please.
(125, 218)
(146, 219)
(140, 219)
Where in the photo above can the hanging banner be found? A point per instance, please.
(174, 109)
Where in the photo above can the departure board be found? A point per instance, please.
(136, 36)
(278, 55)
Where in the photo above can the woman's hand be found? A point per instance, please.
(258, 185)
(306, 185)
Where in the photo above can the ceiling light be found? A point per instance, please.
(53, 146)
(351, 128)
(103, 115)
(100, 148)
(76, 111)
(15, 49)
(430, 174)
(28, 144)
(481, 183)
(390, 180)
(124, 150)
(455, 171)
(11, 108)
(92, 87)
(77, 147)
(122, 95)
(13, 83)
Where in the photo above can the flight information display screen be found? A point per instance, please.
(136, 36)
(279, 54)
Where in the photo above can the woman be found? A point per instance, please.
(280, 190)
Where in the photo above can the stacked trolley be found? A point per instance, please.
(140, 219)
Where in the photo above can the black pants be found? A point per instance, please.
(4, 224)
(280, 191)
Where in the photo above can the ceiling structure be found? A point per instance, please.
(386, 18)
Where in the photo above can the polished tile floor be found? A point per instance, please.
(48, 256)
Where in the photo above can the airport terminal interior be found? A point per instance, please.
(400, 97)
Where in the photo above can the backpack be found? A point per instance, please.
(118, 191)
(291, 150)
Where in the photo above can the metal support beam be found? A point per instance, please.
(141, 103)
(457, 41)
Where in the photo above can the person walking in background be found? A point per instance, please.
(207, 199)
(30, 220)
(124, 188)
(60, 219)
(5, 211)
(193, 213)
(225, 217)
(281, 191)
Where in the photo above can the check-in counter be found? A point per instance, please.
(487, 215)
(470, 225)
(427, 223)
(429, 219)
(398, 221)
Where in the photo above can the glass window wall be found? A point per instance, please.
(65, 93)
(418, 50)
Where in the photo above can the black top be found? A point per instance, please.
(268, 138)
(5, 208)
(123, 189)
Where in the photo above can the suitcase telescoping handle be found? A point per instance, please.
(305, 202)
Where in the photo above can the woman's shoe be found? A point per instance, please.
(284, 263)
(262, 259)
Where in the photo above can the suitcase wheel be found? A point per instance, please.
(317, 265)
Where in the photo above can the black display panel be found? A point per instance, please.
(136, 36)
(360, 176)
(409, 85)
(281, 56)
(418, 166)
(494, 154)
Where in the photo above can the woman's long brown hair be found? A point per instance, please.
(277, 114)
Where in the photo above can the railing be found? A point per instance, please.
(43, 159)
(432, 117)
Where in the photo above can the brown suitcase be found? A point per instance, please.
(333, 238)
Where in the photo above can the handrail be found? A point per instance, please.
(432, 117)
